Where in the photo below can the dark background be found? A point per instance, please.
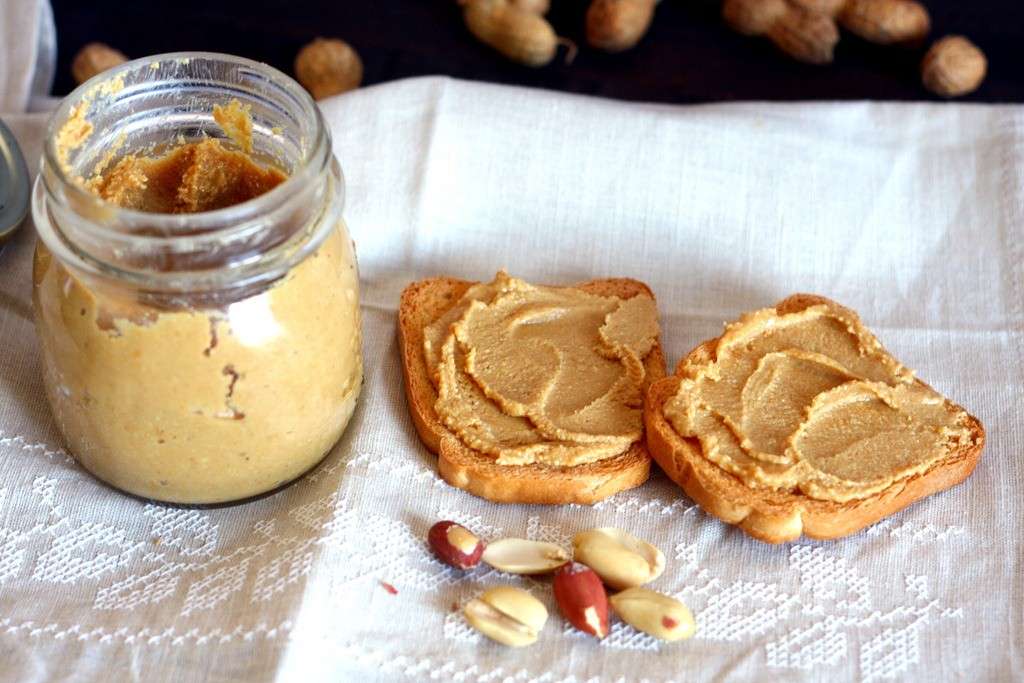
(688, 55)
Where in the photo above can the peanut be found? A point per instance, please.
(655, 614)
(521, 556)
(520, 35)
(621, 560)
(617, 25)
(95, 58)
(886, 21)
(804, 35)
(753, 17)
(328, 67)
(953, 66)
(581, 598)
(535, 6)
(507, 615)
(827, 7)
(455, 545)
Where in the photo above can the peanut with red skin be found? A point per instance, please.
(455, 545)
(582, 599)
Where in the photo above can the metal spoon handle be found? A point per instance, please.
(13, 184)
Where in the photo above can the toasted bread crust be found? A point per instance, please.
(423, 302)
(780, 516)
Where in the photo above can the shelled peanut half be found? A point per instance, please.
(601, 557)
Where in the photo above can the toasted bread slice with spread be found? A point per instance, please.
(775, 515)
(425, 301)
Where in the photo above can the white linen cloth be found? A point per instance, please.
(911, 214)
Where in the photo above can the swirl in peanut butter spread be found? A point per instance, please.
(542, 374)
(810, 401)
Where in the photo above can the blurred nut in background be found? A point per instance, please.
(95, 58)
(753, 17)
(805, 36)
(827, 7)
(535, 6)
(953, 66)
(617, 25)
(886, 21)
(521, 35)
(328, 67)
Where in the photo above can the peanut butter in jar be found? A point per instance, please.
(195, 287)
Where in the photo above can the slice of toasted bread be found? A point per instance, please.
(779, 516)
(423, 302)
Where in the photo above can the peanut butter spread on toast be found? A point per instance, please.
(809, 401)
(549, 375)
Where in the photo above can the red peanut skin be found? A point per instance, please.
(577, 587)
(437, 537)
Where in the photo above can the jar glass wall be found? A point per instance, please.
(195, 357)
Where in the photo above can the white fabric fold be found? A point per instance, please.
(28, 54)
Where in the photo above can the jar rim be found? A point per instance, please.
(84, 93)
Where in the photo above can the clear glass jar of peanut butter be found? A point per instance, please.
(195, 287)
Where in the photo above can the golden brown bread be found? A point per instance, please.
(779, 516)
(423, 302)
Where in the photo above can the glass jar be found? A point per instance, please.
(195, 357)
